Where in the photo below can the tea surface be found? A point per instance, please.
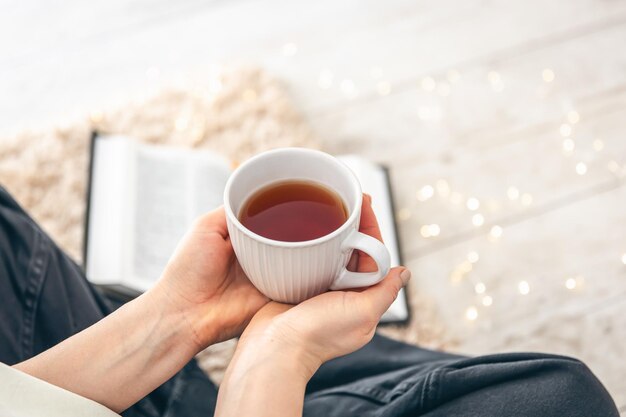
(293, 211)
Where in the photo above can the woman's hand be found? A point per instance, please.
(204, 282)
(202, 297)
(334, 323)
(330, 325)
(284, 345)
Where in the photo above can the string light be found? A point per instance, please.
(404, 214)
(428, 84)
(495, 232)
(465, 267)
(568, 145)
(460, 271)
(472, 204)
(325, 79)
(456, 198)
(496, 81)
(598, 145)
(430, 230)
(456, 277)
(290, 49)
(478, 219)
(512, 193)
(453, 76)
(581, 168)
(425, 193)
(527, 199)
(523, 287)
(573, 283)
(443, 188)
(613, 167)
(565, 130)
(493, 77)
(487, 300)
(548, 75)
(473, 257)
(480, 288)
(384, 88)
(573, 117)
(471, 313)
(624, 258)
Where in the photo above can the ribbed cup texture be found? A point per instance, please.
(290, 274)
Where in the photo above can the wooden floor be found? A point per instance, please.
(503, 123)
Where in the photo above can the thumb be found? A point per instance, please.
(383, 294)
(269, 311)
(213, 221)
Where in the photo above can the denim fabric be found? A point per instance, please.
(387, 378)
(45, 298)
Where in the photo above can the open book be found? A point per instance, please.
(142, 198)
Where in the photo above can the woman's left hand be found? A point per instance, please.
(203, 297)
(204, 281)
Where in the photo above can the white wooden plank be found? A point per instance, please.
(409, 50)
(538, 168)
(583, 241)
(350, 38)
(487, 141)
(595, 337)
(31, 29)
(422, 124)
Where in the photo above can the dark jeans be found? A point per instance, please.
(44, 298)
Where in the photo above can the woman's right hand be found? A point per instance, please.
(283, 345)
(334, 323)
(330, 325)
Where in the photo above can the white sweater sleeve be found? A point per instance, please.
(22, 395)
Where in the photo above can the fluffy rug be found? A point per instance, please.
(239, 113)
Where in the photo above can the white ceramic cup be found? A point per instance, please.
(291, 272)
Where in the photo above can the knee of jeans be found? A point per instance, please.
(570, 384)
(520, 384)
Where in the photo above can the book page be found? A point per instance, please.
(160, 211)
(209, 175)
(172, 187)
(106, 256)
(373, 180)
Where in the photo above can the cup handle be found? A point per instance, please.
(375, 249)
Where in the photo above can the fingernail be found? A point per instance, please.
(405, 276)
(367, 197)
